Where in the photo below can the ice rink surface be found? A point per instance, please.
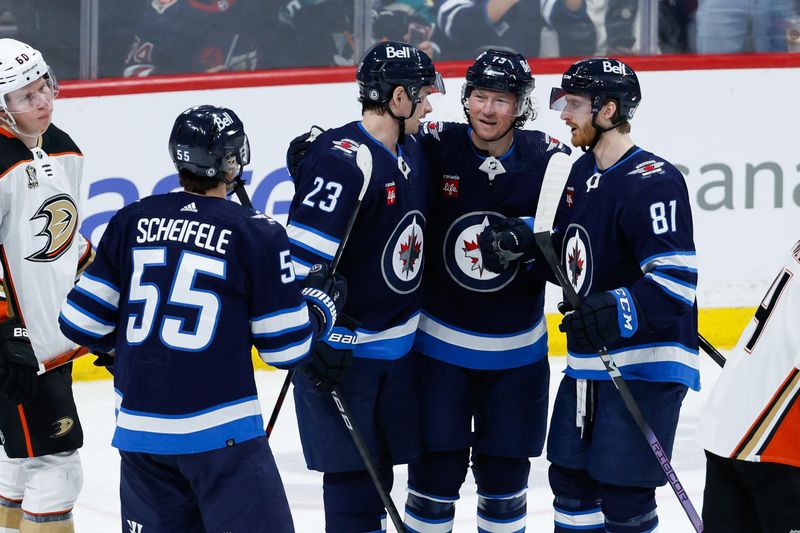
(97, 510)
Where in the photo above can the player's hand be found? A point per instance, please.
(297, 149)
(18, 364)
(600, 321)
(505, 242)
(325, 296)
(328, 367)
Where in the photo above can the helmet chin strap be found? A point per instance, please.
(598, 131)
(401, 135)
(11, 123)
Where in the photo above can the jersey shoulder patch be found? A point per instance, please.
(538, 142)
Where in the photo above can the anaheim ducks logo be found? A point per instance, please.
(61, 223)
(62, 426)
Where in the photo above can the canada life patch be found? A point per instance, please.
(391, 193)
(569, 197)
(450, 186)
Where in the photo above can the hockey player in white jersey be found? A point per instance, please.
(41, 253)
(751, 425)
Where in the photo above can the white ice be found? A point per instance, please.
(97, 510)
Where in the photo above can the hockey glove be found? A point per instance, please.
(297, 149)
(328, 367)
(325, 296)
(504, 242)
(600, 321)
(18, 363)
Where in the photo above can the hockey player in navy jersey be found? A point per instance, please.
(384, 260)
(183, 285)
(624, 231)
(482, 336)
(41, 253)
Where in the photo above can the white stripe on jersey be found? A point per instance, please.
(676, 288)
(280, 322)
(100, 290)
(312, 239)
(84, 321)
(179, 425)
(485, 524)
(288, 353)
(681, 261)
(487, 343)
(584, 520)
(396, 332)
(650, 354)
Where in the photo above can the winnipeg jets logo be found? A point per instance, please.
(462, 254)
(402, 259)
(553, 143)
(347, 146)
(62, 426)
(433, 129)
(577, 257)
(648, 168)
(61, 223)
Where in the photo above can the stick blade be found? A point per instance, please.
(555, 177)
(364, 162)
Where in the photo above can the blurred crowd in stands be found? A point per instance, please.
(139, 38)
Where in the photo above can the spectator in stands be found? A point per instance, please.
(469, 26)
(675, 20)
(186, 36)
(731, 26)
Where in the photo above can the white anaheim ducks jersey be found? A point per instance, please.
(754, 410)
(41, 251)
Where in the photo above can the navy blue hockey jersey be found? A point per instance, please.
(383, 260)
(630, 226)
(472, 317)
(181, 287)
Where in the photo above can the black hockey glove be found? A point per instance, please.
(297, 149)
(328, 367)
(325, 296)
(504, 242)
(600, 320)
(18, 364)
(104, 360)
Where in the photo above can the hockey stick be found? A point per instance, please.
(364, 163)
(363, 451)
(555, 178)
(712, 352)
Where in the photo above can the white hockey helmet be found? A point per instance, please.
(20, 65)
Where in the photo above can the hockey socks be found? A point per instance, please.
(502, 493)
(433, 484)
(352, 505)
(502, 513)
(586, 505)
(426, 513)
(10, 515)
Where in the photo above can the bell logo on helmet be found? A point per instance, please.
(398, 53)
(609, 66)
(222, 121)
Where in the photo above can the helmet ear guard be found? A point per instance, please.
(204, 138)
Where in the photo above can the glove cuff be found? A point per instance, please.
(322, 304)
(627, 316)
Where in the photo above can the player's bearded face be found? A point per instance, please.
(577, 115)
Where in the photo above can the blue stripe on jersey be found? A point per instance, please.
(389, 344)
(676, 288)
(469, 349)
(301, 268)
(658, 362)
(280, 322)
(313, 240)
(672, 259)
(99, 289)
(201, 431)
(83, 321)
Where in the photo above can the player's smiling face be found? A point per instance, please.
(577, 114)
(492, 113)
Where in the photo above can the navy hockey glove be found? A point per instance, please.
(504, 242)
(297, 149)
(325, 296)
(600, 321)
(328, 367)
(18, 364)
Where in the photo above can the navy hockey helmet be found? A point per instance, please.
(390, 64)
(205, 139)
(501, 70)
(601, 79)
